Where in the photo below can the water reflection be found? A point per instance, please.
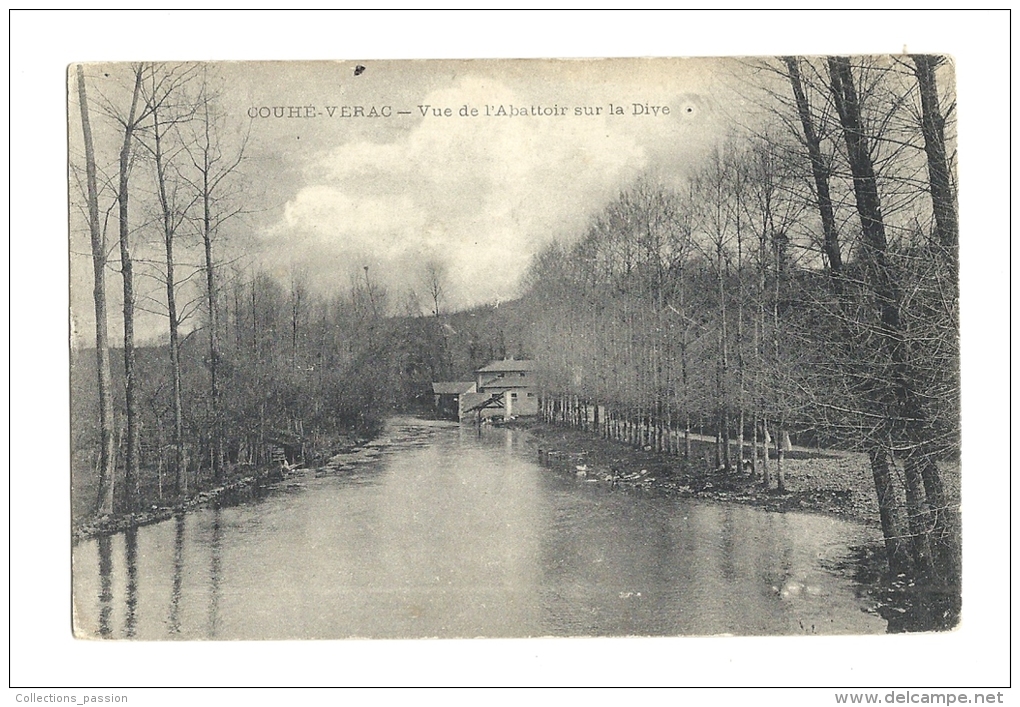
(174, 619)
(105, 585)
(215, 551)
(727, 538)
(438, 530)
(131, 593)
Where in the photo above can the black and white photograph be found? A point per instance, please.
(509, 348)
(657, 347)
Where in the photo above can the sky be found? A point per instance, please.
(448, 172)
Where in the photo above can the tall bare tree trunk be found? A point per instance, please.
(754, 447)
(684, 378)
(896, 549)
(129, 499)
(766, 477)
(879, 271)
(214, 349)
(943, 196)
(169, 228)
(741, 383)
(819, 171)
(722, 370)
(210, 290)
(104, 500)
(210, 166)
(776, 342)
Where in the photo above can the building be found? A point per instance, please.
(447, 396)
(502, 389)
(513, 381)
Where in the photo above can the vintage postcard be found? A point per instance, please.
(508, 349)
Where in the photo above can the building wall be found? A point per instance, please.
(506, 380)
(523, 401)
(520, 389)
(524, 404)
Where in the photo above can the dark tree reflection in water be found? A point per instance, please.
(131, 592)
(174, 619)
(106, 585)
(215, 552)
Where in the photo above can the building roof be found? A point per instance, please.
(452, 387)
(497, 384)
(507, 365)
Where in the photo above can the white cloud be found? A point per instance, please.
(483, 193)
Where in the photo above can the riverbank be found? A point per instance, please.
(240, 483)
(817, 481)
(118, 522)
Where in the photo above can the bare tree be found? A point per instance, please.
(819, 169)
(713, 185)
(129, 124)
(215, 168)
(434, 277)
(107, 461)
(805, 127)
(298, 305)
(434, 282)
(940, 179)
(906, 415)
(943, 196)
(168, 107)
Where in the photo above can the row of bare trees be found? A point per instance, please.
(802, 280)
(247, 364)
(165, 125)
(902, 320)
(243, 362)
(675, 306)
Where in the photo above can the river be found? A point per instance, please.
(437, 530)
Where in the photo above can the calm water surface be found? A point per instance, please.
(434, 530)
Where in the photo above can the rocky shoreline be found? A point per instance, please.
(118, 522)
